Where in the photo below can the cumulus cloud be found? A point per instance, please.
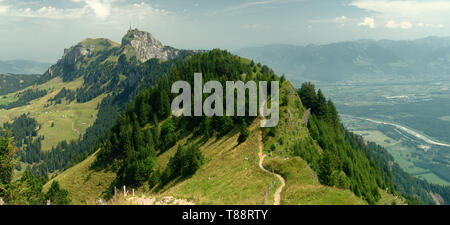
(3, 8)
(101, 8)
(405, 8)
(368, 21)
(403, 25)
(430, 13)
(94, 9)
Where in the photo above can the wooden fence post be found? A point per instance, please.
(115, 193)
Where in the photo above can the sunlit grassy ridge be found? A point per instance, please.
(230, 175)
(85, 186)
(303, 187)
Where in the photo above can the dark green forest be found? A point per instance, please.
(349, 161)
(27, 190)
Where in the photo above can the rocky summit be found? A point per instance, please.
(136, 43)
(145, 46)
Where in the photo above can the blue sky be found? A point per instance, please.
(41, 29)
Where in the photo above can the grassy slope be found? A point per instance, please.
(303, 187)
(85, 186)
(389, 199)
(70, 120)
(230, 175)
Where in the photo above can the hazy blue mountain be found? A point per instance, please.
(23, 67)
(358, 61)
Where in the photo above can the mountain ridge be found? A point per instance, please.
(357, 61)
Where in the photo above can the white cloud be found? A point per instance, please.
(48, 12)
(428, 25)
(138, 11)
(3, 8)
(341, 19)
(92, 9)
(265, 4)
(243, 6)
(403, 25)
(430, 13)
(405, 8)
(102, 9)
(368, 21)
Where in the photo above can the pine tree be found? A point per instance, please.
(244, 133)
(282, 79)
(308, 95)
(57, 195)
(321, 109)
(325, 168)
(7, 163)
(164, 109)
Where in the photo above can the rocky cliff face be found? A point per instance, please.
(72, 55)
(144, 46)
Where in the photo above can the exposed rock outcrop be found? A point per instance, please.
(144, 46)
(73, 54)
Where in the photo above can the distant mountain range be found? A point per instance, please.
(358, 61)
(23, 67)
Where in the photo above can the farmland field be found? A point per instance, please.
(411, 120)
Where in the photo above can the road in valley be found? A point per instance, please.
(407, 130)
